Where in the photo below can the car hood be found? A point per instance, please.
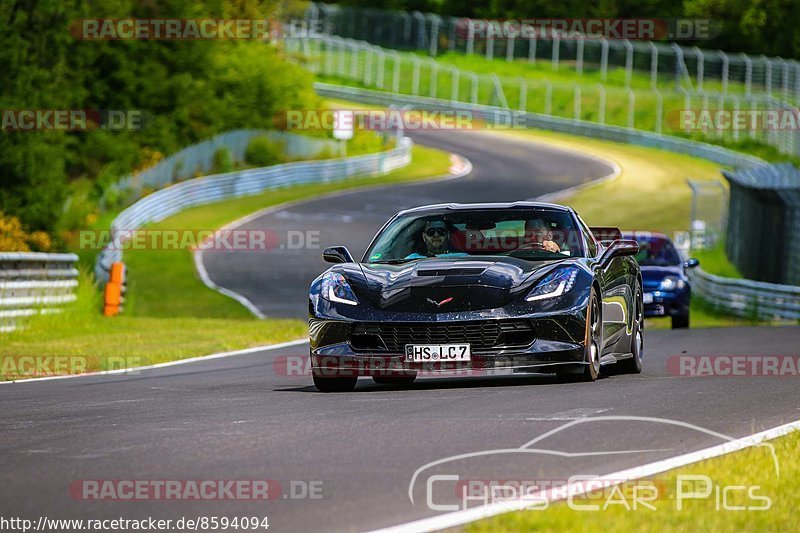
(469, 283)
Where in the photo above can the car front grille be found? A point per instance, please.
(482, 336)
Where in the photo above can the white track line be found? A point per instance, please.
(460, 518)
(198, 359)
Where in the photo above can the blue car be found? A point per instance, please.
(666, 288)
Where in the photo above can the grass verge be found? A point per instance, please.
(770, 504)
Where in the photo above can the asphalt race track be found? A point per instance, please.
(257, 416)
(276, 280)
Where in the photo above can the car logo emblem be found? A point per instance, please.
(439, 304)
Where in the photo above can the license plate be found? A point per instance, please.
(647, 297)
(416, 353)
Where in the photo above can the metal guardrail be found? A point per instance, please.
(747, 298)
(502, 116)
(199, 191)
(34, 283)
(736, 296)
(199, 159)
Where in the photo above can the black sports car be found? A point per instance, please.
(521, 287)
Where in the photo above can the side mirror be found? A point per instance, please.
(691, 263)
(619, 248)
(337, 254)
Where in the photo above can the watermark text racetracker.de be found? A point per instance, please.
(734, 365)
(646, 29)
(16, 367)
(202, 239)
(23, 120)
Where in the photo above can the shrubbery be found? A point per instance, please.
(263, 151)
(187, 90)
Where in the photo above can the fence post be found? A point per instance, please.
(434, 82)
(659, 109)
(474, 89)
(470, 48)
(698, 54)
(785, 79)
(735, 113)
(601, 112)
(396, 71)
(628, 62)
(748, 74)
(532, 50)
(653, 65)
(556, 47)
(415, 76)
(767, 74)
(510, 44)
(367, 65)
(725, 71)
(420, 18)
(604, 59)
(579, 57)
(436, 21)
(381, 67)
(523, 94)
(548, 98)
(576, 105)
(489, 47)
(455, 81)
(355, 54)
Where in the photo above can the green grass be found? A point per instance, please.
(753, 468)
(565, 101)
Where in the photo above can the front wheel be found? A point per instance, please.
(335, 384)
(594, 339)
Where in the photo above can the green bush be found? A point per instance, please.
(223, 160)
(263, 152)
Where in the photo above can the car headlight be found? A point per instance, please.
(554, 284)
(671, 283)
(336, 289)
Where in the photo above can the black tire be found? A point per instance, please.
(680, 321)
(337, 384)
(594, 339)
(406, 379)
(634, 364)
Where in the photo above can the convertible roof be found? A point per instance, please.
(478, 206)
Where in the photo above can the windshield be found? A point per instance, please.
(533, 234)
(657, 251)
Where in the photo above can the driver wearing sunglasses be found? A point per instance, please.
(436, 236)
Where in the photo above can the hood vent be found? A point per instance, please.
(452, 272)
